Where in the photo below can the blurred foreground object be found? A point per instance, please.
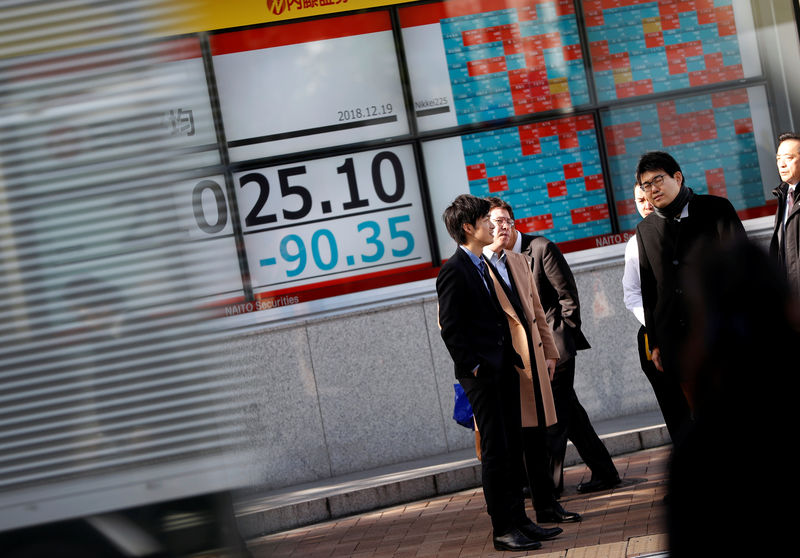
(739, 360)
(121, 422)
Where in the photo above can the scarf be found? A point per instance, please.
(675, 207)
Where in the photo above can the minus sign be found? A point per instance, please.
(266, 262)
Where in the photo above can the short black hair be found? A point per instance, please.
(788, 136)
(466, 209)
(494, 203)
(657, 160)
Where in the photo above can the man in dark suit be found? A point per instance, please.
(785, 244)
(683, 228)
(476, 333)
(559, 296)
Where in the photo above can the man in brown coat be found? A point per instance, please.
(533, 340)
(558, 293)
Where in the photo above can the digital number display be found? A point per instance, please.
(492, 59)
(713, 138)
(640, 47)
(308, 85)
(330, 222)
(203, 211)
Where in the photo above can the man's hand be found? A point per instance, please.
(655, 355)
(551, 367)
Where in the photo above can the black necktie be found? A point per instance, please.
(486, 277)
(782, 231)
(488, 280)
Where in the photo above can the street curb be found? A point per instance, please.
(281, 510)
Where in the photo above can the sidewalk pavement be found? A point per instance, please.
(435, 507)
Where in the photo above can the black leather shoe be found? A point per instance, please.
(515, 541)
(536, 533)
(557, 514)
(596, 485)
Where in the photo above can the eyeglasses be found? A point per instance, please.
(657, 181)
(500, 221)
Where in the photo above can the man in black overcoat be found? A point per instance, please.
(785, 244)
(683, 228)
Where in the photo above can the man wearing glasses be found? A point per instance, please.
(558, 293)
(672, 240)
(519, 281)
(669, 395)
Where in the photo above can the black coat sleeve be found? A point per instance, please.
(729, 226)
(454, 306)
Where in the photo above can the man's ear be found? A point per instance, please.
(680, 180)
(469, 229)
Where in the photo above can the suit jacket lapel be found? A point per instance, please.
(478, 281)
(796, 207)
(510, 302)
(471, 271)
(513, 295)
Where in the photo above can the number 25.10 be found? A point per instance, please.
(298, 253)
(254, 217)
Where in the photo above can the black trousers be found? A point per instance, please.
(537, 468)
(574, 424)
(668, 391)
(495, 404)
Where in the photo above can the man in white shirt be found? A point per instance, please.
(785, 244)
(631, 282)
(672, 408)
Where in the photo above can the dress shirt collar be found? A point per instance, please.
(490, 255)
(475, 259)
(517, 243)
(499, 262)
(684, 213)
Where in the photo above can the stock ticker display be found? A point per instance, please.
(516, 61)
(711, 137)
(549, 172)
(513, 59)
(640, 47)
